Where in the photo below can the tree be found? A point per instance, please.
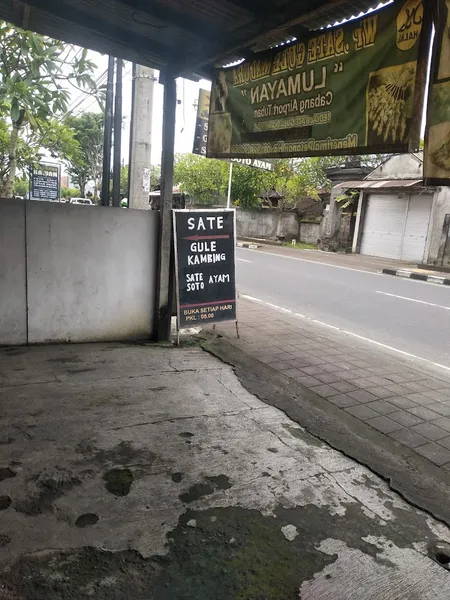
(21, 187)
(86, 163)
(199, 177)
(32, 96)
(70, 193)
(155, 177)
(246, 185)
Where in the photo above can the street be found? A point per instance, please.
(408, 316)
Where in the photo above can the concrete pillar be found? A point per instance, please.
(140, 142)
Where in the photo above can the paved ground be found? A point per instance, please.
(138, 472)
(389, 412)
(411, 316)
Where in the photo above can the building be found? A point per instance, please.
(396, 216)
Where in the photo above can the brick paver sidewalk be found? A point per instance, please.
(408, 402)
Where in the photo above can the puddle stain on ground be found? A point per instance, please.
(86, 520)
(244, 550)
(205, 488)
(65, 359)
(5, 502)
(122, 454)
(42, 491)
(177, 477)
(118, 481)
(6, 473)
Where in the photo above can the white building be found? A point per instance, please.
(397, 217)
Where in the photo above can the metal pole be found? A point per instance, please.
(133, 111)
(117, 135)
(165, 262)
(229, 185)
(107, 136)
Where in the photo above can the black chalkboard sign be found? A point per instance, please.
(205, 266)
(45, 182)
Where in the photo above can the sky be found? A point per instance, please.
(187, 94)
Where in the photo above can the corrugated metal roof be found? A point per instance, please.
(392, 183)
(190, 36)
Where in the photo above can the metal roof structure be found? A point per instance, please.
(186, 37)
(377, 184)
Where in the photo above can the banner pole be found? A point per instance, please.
(229, 185)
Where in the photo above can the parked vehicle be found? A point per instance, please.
(85, 201)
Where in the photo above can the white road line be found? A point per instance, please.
(243, 260)
(326, 264)
(414, 300)
(355, 335)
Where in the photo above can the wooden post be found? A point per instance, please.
(165, 259)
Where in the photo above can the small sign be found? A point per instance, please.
(205, 244)
(45, 182)
(256, 163)
(201, 126)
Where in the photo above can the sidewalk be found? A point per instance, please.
(376, 406)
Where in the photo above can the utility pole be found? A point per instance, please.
(165, 259)
(140, 137)
(117, 135)
(107, 135)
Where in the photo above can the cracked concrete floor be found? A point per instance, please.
(139, 472)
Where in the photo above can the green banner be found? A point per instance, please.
(437, 135)
(352, 89)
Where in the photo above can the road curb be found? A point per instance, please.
(249, 246)
(406, 274)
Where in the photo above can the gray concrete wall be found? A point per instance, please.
(90, 273)
(263, 223)
(441, 207)
(309, 232)
(13, 327)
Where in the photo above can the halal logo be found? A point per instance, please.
(409, 24)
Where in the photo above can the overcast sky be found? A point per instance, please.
(187, 93)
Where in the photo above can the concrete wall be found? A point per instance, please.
(263, 223)
(13, 326)
(309, 232)
(441, 207)
(91, 273)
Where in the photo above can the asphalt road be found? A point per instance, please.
(407, 315)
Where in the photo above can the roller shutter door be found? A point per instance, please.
(396, 227)
(416, 229)
(384, 224)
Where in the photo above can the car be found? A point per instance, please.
(85, 201)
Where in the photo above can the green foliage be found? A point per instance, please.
(246, 186)
(124, 180)
(70, 193)
(347, 199)
(33, 72)
(201, 178)
(86, 163)
(301, 246)
(155, 177)
(21, 187)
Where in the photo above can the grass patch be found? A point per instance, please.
(301, 246)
